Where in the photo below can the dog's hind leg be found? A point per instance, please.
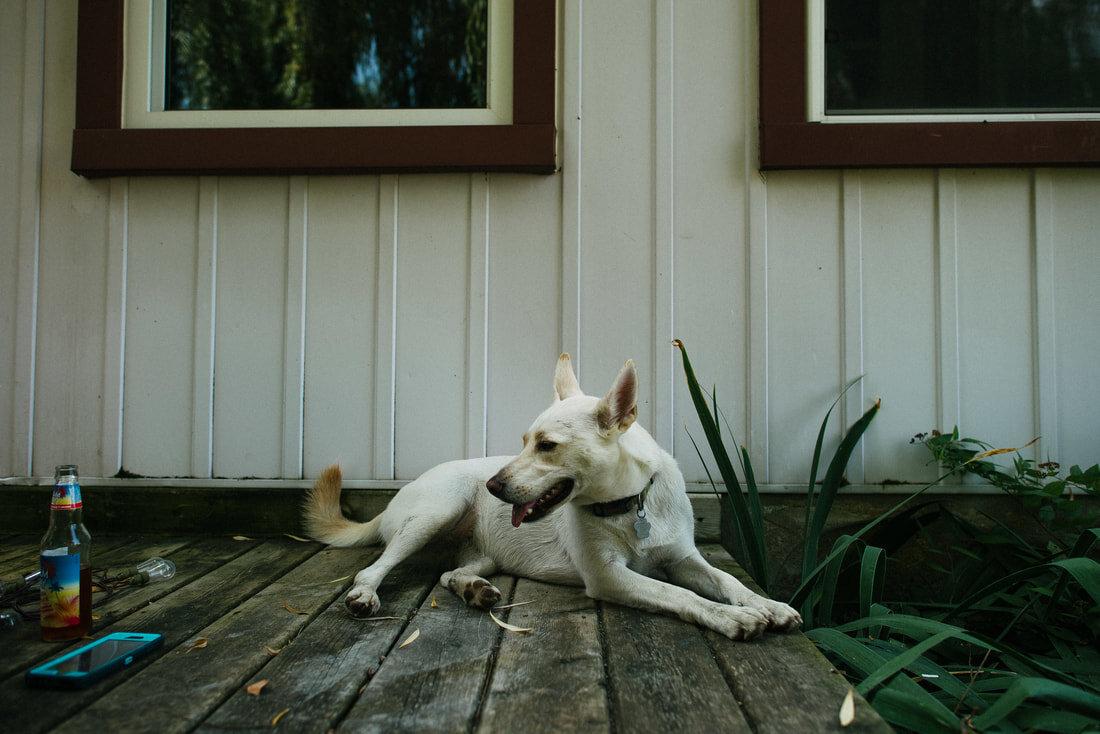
(468, 582)
(412, 534)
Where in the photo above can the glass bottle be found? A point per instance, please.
(66, 560)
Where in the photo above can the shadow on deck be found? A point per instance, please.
(243, 611)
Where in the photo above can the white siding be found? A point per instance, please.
(233, 327)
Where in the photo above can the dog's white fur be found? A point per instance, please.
(580, 451)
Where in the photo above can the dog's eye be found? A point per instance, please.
(545, 446)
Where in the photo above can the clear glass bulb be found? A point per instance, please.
(157, 569)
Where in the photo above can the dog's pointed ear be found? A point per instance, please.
(565, 382)
(619, 407)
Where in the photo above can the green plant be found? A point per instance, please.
(749, 542)
(1018, 652)
(1037, 485)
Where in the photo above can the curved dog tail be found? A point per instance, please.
(325, 522)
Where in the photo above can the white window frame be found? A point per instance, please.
(143, 85)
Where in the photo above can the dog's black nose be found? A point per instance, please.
(495, 487)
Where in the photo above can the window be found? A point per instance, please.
(490, 107)
(861, 83)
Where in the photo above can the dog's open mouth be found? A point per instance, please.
(538, 509)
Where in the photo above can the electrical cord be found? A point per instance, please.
(22, 596)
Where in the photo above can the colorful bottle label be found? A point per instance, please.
(60, 590)
(66, 496)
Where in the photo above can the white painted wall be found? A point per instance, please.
(264, 327)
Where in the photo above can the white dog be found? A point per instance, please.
(592, 500)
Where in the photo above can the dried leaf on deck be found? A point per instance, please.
(848, 708)
(272, 651)
(241, 537)
(295, 537)
(291, 609)
(509, 627)
(255, 688)
(434, 605)
(280, 715)
(196, 644)
(342, 578)
(409, 639)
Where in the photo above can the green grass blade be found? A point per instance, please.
(1053, 693)
(834, 475)
(753, 544)
(915, 712)
(898, 663)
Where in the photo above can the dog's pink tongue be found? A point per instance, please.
(519, 512)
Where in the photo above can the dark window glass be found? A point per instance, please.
(942, 56)
(326, 54)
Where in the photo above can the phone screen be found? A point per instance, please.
(98, 655)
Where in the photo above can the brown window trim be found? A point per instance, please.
(788, 140)
(102, 147)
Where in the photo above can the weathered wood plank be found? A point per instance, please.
(435, 683)
(176, 616)
(784, 683)
(319, 675)
(664, 676)
(14, 552)
(222, 656)
(556, 667)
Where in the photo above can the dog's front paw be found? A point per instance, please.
(738, 623)
(781, 617)
(362, 602)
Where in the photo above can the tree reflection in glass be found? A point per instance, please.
(326, 54)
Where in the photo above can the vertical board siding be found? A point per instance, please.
(995, 294)
(523, 304)
(249, 348)
(1073, 323)
(616, 279)
(804, 317)
(341, 305)
(160, 326)
(70, 326)
(432, 313)
(268, 326)
(709, 234)
(899, 323)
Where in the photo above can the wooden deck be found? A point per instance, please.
(241, 611)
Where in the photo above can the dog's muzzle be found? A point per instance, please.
(535, 510)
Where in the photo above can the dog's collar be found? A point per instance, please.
(625, 505)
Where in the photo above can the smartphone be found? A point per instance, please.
(92, 662)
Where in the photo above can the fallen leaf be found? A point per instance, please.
(848, 708)
(281, 715)
(434, 605)
(271, 651)
(295, 537)
(255, 688)
(509, 627)
(409, 639)
(513, 604)
(291, 609)
(336, 581)
(241, 537)
(195, 645)
(377, 619)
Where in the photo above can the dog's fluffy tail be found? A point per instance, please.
(325, 522)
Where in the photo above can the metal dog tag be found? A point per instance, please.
(641, 527)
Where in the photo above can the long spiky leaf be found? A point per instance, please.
(753, 545)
